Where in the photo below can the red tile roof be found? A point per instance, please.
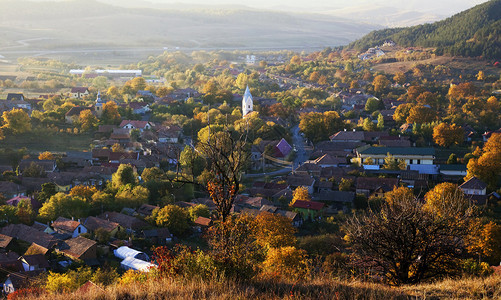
(308, 205)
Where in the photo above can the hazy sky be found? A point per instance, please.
(445, 7)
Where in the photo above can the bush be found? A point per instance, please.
(473, 267)
(287, 262)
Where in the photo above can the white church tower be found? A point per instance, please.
(247, 104)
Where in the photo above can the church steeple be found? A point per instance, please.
(247, 104)
(99, 105)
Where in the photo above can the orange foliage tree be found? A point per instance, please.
(446, 135)
(488, 165)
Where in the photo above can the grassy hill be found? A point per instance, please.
(474, 32)
(474, 288)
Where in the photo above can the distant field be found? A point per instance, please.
(48, 142)
(472, 65)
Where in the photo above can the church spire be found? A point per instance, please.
(247, 103)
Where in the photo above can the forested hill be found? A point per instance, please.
(474, 32)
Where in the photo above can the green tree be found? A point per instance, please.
(199, 210)
(34, 170)
(372, 105)
(380, 122)
(174, 218)
(391, 163)
(123, 176)
(48, 190)
(368, 125)
(380, 83)
(62, 205)
(131, 196)
(191, 162)
(152, 174)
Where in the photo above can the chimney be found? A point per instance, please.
(345, 129)
(73, 218)
(354, 130)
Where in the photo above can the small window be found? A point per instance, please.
(79, 229)
(418, 161)
(410, 162)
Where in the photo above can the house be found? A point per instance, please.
(448, 171)
(93, 224)
(294, 217)
(79, 92)
(67, 226)
(29, 235)
(139, 108)
(474, 186)
(294, 181)
(73, 114)
(18, 280)
(202, 222)
(16, 200)
(418, 159)
(336, 200)
(15, 97)
(5, 241)
(128, 222)
(35, 262)
(48, 166)
(134, 124)
(9, 262)
(10, 189)
(328, 160)
(309, 209)
(159, 236)
(368, 185)
(146, 210)
(169, 134)
(78, 248)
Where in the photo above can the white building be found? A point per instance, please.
(247, 103)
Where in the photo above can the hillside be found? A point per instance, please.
(474, 32)
(33, 26)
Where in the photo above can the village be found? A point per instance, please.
(321, 146)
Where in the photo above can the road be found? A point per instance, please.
(301, 155)
(298, 142)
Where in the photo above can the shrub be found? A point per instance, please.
(287, 262)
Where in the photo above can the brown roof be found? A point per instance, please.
(372, 183)
(93, 223)
(64, 224)
(146, 209)
(35, 260)
(300, 180)
(79, 89)
(203, 221)
(124, 220)
(78, 246)
(36, 249)
(29, 234)
(327, 159)
(7, 187)
(76, 110)
(473, 184)
(5, 241)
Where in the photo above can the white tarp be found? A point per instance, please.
(131, 263)
(124, 252)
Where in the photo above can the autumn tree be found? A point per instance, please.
(300, 193)
(345, 184)
(446, 135)
(368, 125)
(373, 104)
(87, 120)
(402, 113)
(380, 83)
(399, 78)
(83, 191)
(173, 217)
(124, 175)
(273, 231)
(445, 197)
(380, 122)
(319, 126)
(487, 166)
(34, 170)
(152, 174)
(399, 194)
(407, 244)
(191, 162)
(421, 114)
(133, 197)
(16, 120)
(485, 240)
(287, 262)
(46, 156)
(110, 113)
(225, 154)
(199, 210)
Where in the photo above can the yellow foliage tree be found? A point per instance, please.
(58, 283)
(87, 120)
(45, 156)
(287, 262)
(271, 231)
(446, 199)
(16, 120)
(446, 135)
(83, 191)
(399, 194)
(485, 240)
(300, 193)
(487, 166)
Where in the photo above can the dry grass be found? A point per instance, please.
(475, 288)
